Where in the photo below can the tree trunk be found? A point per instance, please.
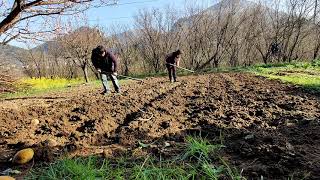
(216, 63)
(316, 51)
(126, 67)
(85, 72)
(126, 71)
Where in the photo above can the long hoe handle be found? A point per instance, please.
(181, 68)
(130, 78)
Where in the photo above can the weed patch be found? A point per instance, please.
(203, 167)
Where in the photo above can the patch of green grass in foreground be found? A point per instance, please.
(199, 160)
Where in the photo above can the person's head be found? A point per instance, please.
(100, 50)
(178, 53)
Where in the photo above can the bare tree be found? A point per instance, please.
(226, 28)
(249, 34)
(315, 34)
(18, 16)
(156, 35)
(34, 62)
(229, 34)
(294, 28)
(78, 45)
(126, 43)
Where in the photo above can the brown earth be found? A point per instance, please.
(268, 128)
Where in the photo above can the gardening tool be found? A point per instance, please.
(130, 77)
(181, 68)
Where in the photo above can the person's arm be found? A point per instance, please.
(115, 62)
(166, 59)
(94, 61)
(178, 61)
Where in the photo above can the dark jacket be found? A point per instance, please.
(108, 63)
(171, 58)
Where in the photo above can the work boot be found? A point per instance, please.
(106, 93)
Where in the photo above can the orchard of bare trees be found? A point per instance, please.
(229, 34)
(232, 33)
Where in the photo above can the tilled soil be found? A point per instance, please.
(268, 128)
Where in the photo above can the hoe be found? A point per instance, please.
(181, 68)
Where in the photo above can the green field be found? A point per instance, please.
(306, 75)
(40, 86)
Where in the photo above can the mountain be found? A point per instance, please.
(224, 5)
(229, 3)
(8, 56)
(46, 46)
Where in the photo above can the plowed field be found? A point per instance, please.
(268, 128)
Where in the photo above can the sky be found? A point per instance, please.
(123, 12)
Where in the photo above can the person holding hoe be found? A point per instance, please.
(106, 64)
(172, 62)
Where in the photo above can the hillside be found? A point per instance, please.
(230, 3)
(214, 10)
(8, 56)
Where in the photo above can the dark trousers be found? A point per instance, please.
(114, 80)
(172, 72)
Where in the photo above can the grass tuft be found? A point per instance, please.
(196, 165)
(233, 173)
(212, 171)
(199, 148)
(79, 168)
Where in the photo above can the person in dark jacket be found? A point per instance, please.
(106, 64)
(172, 61)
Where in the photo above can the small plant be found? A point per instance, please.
(152, 169)
(161, 173)
(199, 148)
(212, 171)
(79, 168)
(233, 173)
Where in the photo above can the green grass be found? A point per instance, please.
(39, 86)
(306, 75)
(199, 148)
(149, 167)
(78, 168)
